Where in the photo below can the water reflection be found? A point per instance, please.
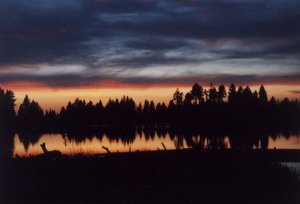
(148, 138)
(6, 143)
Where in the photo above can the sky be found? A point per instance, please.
(57, 50)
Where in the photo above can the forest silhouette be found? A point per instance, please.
(215, 107)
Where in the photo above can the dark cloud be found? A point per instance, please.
(137, 33)
(79, 80)
(150, 59)
(218, 79)
(280, 50)
(155, 44)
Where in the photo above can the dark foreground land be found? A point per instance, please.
(153, 177)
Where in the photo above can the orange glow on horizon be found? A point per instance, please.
(56, 97)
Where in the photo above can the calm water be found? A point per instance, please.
(144, 141)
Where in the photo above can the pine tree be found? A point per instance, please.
(262, 95)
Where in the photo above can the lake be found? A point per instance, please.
(148, 140)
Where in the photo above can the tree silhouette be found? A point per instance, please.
(51, 120)
(262, 94)
(221, 94)
(255, 96)
(206, 94)
(188, 99)
(232, 94)
(30, 115)
(247, 96)
(178, 97)
(99, 112)
(197, 93)
(7, 112)
(212, 94)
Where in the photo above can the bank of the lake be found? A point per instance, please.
(152, 177)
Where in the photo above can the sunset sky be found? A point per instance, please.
(57, 50)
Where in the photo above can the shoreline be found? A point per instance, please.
(268, 155)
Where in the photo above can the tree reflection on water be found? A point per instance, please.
(150, 138)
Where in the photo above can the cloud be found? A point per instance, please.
(155, 44)
(157, 77)
(134, 35)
